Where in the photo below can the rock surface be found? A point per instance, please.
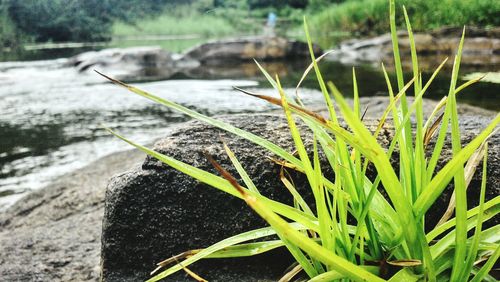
(248, 48)
(135, 63)
(155, 63)
(53, 234)
(155, 212)
(481, 47)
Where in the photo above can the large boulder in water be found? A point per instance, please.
(128, 64)
(155, 212)
(260, 48)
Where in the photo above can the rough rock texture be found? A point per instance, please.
(155, 212)
(248, 48)
(481, 47)
(53, 234)
(135, 63)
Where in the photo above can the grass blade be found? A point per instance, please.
(442, 178)
(299, 239)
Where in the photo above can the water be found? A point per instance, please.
(50, 116)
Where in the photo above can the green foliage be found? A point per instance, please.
(74, 20)
(353, 224)
(368, 16)
(9, 35)
(207, 25)
(319, 5)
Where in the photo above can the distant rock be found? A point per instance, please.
(155, 212)
(129, 64)
(481, 47)
(247, 48)
(154, 63)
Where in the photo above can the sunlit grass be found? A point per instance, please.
(353, 226)
(368, 16)
(204, 25)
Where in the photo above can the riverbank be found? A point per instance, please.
(53, 234)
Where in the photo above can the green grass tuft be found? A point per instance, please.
(353, 224)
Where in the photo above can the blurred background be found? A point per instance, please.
(50, 110)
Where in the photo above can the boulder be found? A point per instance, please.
(154, 63)
(481, 47)
(155, 212)
(129, 64)
(247, 48)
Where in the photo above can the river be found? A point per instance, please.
(51, 115)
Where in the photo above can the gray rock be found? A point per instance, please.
(248, 48)
(155, 212)
(154, 63)
(53, 234)
(128, 64)
(481, 48)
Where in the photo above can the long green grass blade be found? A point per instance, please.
(491, 208)
(460, 188)
(246, 250)
(221, 184)
(217, 123)
(487, 266)
(405, 275)
(472, 253)
(316, 251)
(334, 275)
(377, 156)
(418, 179)
(443, 177)
(491, 235)
(241, 171)
(220, 246)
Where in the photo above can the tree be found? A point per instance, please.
(77, 20)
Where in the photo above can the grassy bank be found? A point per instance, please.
(173, 32)
(368, 17)
(205, 25)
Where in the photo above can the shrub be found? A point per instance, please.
(368, 17)
(75, 20)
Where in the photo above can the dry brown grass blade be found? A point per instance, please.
(285, 164)
(286, 180)
(432, 130)
(175, 259)
(306, 72)
(224, 173)
(115, 81)
(469, 170)
(290, 274)
(277, 102)
(193, 275)
(405, 262)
